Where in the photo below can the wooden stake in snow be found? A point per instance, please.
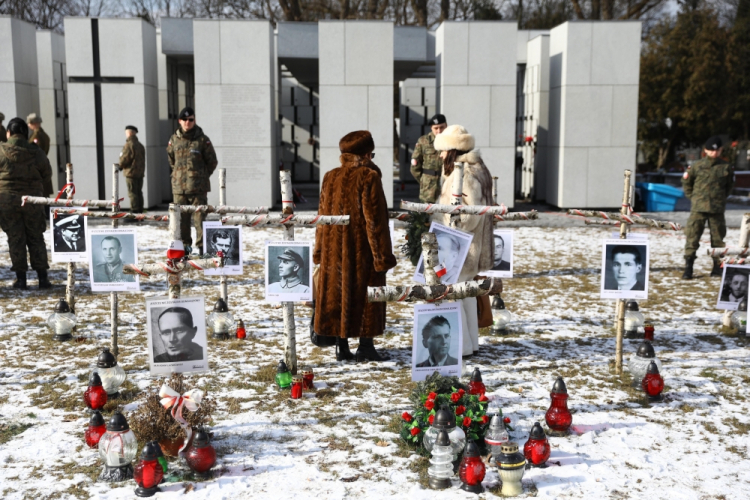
(430, 258)
(620, 324)
(494, 190)
(222, 201)
(70, 286)
(113, 295)
(287, 208)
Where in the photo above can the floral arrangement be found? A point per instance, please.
(438, 391)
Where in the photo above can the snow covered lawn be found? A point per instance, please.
(341, 440)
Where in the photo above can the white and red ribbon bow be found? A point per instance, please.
(190, 400)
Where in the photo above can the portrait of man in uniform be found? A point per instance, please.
(69, 234)
(174, 339)
(290, 265)
(109, 268)
(288, 271)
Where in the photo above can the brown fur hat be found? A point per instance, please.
(357, 143)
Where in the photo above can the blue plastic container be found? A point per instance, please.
(659, 197)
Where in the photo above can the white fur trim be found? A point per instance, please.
(471, 157)
(454, 137)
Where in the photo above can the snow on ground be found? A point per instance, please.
(695, 445)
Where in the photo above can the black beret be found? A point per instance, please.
(713, 144)
(438, 119)
(186, 112)
(18, 127)
(132, 127)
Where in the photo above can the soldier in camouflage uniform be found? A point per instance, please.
(23, 170)
(41, 139)
(2, 129)
(133, 163)
(707, 183)
(426, 165)
(192, 160)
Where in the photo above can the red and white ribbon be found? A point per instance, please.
(190, 400)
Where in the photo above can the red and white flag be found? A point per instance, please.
(176, 250)
(440, 270)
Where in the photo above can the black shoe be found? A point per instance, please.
(20, 280)
(688, 274)
(366, 351)
(716, 270)
(343, 353)
(43, 280)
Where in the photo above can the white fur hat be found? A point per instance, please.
(454, 137)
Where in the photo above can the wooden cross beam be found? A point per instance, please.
(70, 202)
(286, 220)
(627, 218)
(112, 215)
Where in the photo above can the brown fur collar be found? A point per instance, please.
(354, 161)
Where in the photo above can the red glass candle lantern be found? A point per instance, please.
(648, 333)
(558, 416)
(296, 386)
(652, 383)
(95, 396)
(201, 456)
(476, 386)
(307, 377)
(95, 430)
(472, 469)
(241, 332)
(537, 449)
(148, 473)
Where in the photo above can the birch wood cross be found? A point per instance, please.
(627, 218)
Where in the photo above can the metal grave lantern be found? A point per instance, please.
(440, 471)
(110, 372)
(62, 321)
(221, 321)
(117, 447)
(634, 319)
(500, 315)
(639, 362)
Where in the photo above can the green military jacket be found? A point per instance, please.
(3, 134)
(133, 158)
(41, 139)
(23, 168)
(707, 183)
(192, 160)
(427, 167)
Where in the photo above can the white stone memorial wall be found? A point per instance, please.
(536, 125)
(19, 93)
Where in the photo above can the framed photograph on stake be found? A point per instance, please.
(288, 271)
(437, 340)
(625, 269)
(733, 286)
(224, 239)
(68, 237)
(176, 334)
(109, 250)
(502, 264)
(453, 247)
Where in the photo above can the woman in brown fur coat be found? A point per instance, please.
(356, 256)
(457, 145)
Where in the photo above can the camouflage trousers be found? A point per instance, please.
(694, 230)
(429, 188)
(135, 193)
(198, 218)
(25, 228)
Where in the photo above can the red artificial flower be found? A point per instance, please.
(460, 410)
(466, 422)
(415, 431)
(431, 419)
(429, 404)
(461, 392)
(506, 420)
(485, 419)
(483, 398)
(407, 417)
(455, 397)
(431, 396)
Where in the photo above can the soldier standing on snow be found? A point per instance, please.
(426, 165)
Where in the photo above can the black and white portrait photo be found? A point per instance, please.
(453, 247)
(176, 334)
(625, 269)
(437, 340)
(68, 237)
(109, 250)
(228, 241)
(502, 264)
(733, 286)
(288, 271)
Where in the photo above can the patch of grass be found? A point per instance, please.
(9, 431)
(266, 374)
(740, 428)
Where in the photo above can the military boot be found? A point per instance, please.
(688, 274)
(716, 270)
(20, 280)
(43, 280)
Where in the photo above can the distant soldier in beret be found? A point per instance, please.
(2, 129)
(133, 164)
(68, 234)
(192, 160)
(426, 165)
(41, 139)
(24, 168)
(707, 183)
(291, 265)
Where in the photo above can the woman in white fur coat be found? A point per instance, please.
(457, 145)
